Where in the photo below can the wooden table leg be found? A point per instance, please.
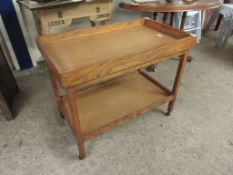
(179, 73)
(165, 16)
(218, 22)
(172, 18)
(152, 68)
(189, 59)
(155, 14)
(76, 122)
(183, 19)
(5, 108)
(93, 23)
(56, 92)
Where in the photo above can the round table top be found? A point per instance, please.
(171, 5)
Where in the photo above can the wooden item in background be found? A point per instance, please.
(170, 6)
(8, 88)
(61, 14)
(105, 73)
(163, 6)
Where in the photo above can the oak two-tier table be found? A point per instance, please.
(101, 71)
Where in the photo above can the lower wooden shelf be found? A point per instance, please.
(114, 102)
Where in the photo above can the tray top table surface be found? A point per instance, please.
(171, 5)
(109, 49)
(80, 52)
(101, 71)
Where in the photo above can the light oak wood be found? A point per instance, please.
(126, 42)
(121, 51)
(104, 84)
(56, 92)
(176, 85)
(161, 86)
(98, 106)
(76, 126)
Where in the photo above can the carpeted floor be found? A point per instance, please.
(197, 139)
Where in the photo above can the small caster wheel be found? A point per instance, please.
(151, 68)
(168, 114)
(62, 116)
(81, 157)
(190, 59)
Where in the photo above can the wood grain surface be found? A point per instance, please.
(87, 55)
(106, 103)
(101, 71)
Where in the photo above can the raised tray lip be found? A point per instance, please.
(46, 39)
(64, 75)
